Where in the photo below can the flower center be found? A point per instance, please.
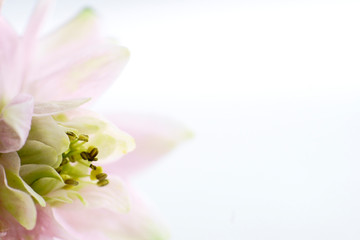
(78, 160)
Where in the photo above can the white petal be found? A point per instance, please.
(54, 107)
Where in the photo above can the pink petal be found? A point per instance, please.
(154, 137)
(37, 19)
(76, 62)
(9, 69)
(28, 42)
(54, 107)
(46, 228)
(88, 77)
(15, 121)
(114, 196)
(89, 223)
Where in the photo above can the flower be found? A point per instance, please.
(154, 136)
(53, 74)
(54, 156)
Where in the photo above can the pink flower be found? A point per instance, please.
(47, 145)
(44, 76)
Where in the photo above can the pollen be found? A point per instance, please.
(72, 136)
(93, 152)
(75, 158)
(84, 155)
(101, 176)
(102, 183)
(71, 182)
(84, 138)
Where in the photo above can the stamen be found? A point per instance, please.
(72, 136)
(64, 161)
(93, 159)
(72, 158)
(71, 182)
(101, 176)
(84, 155)
(84, 138)
(93, 152)
(80, 154)
(102, 183)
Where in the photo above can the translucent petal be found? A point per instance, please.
(46, 228)
(15, 121)
(136, 224)
(154, 136)
(108, 138)
(76, 61)
(113, 196)
(9, 69)
(55, 107)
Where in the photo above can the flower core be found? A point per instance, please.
(77, 160)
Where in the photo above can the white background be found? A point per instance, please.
(270, 90)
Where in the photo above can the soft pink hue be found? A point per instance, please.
(44, 76)
(154, 136)
(75, 62)
(46, 227)
(106, 216)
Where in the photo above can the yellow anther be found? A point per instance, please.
(72, 136)
(71, 182)
(84, 138)
(102, 183)
(101, 176)
(84, 155)
(93, 152)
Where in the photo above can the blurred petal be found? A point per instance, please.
(9, 69)
(37, 20)
(78, 35)
(108, 138)
(88, 223)
(46, 228)
(154, 137)
(55, 107)
(27, 44)
(15, 121)
(113, 196)
(76, 61)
